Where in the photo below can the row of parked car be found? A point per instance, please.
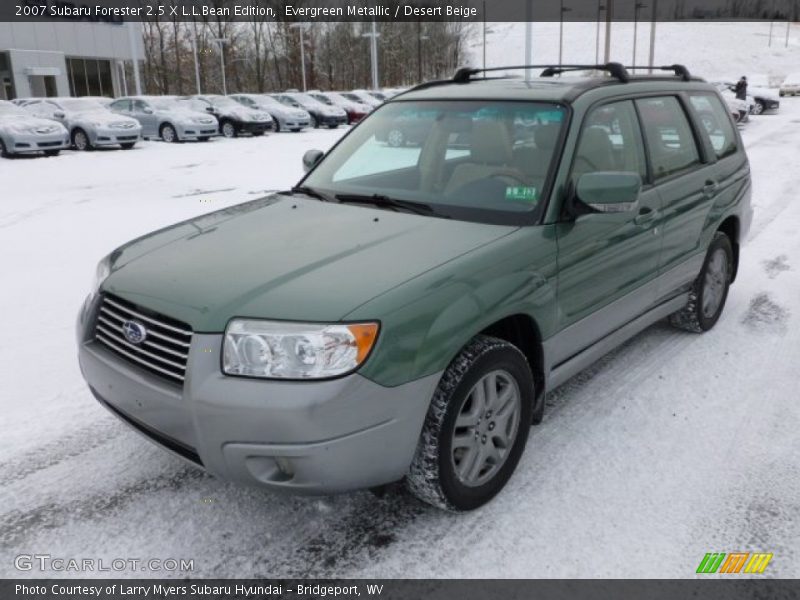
(49, 125)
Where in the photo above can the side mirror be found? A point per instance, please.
(311, 159)
(210, 109)
(609, 191)
(59, 115)
(148, 111)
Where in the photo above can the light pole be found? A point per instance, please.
(564, 9)
(301, 27)
(771, 24)
(373, 52)
(221, 43)
(638, 6)
(652, 59)
(600, 9)
(609, 17)
(196, 61)
(421, 37)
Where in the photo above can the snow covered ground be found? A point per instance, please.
(672, 446)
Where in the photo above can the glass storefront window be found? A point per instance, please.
(90, 77)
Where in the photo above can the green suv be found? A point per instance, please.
(402, 312)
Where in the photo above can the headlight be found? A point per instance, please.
(281, 350)
(102, 271)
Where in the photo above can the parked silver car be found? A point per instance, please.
(89, 123)
(22, 133)
(165, 117)
(286, 118)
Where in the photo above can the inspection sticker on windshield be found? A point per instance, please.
(521, 194)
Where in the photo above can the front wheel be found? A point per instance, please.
(314, 122)
(228, 129)
(80, 140)
(710, 289)
(168, 133)
(3, 150)
(759, 107)
(476, 427)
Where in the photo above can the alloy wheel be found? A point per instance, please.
(80, 140)
(486, 427)
(715, 279)
(168, 134)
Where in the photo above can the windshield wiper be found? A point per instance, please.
(382, 201)
(308, 191)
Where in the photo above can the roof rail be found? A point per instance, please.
(465, 74)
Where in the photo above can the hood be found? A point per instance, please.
(31, 122)
(286, 258)
(103, 117)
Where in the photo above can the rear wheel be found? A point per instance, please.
(710, 289)
(81, 140)
(476, 427)
(168, 133)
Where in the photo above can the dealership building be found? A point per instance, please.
(70, 58)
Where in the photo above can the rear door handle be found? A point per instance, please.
(645, 217)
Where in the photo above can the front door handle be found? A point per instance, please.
(710, 188)
(645, 217)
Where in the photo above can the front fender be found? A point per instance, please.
(426, 321)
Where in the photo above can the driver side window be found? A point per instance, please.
(611, 140)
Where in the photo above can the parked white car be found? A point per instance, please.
(791, 85)
(164, 117)
(90, 124)
(22, 133)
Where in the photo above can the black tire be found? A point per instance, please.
(314, 122)
(693, 317)
(333, 126)
(432, 476)
(168, 133)
(228, 129)
(759, 107)
(277, 126)
(3, 150)
(127, 145)
(52, 152)
(80, 140)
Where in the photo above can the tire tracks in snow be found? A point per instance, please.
(75, 443)
(19, 525)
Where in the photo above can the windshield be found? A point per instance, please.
(8, 109)
(81, 105)
(165, 104)
(454, 156)
(305, 99)
(224, 101)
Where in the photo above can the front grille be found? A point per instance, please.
(48, 144)
(165, 349)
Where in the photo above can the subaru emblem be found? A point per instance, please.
(134, 332)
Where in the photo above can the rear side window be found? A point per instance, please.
(669, 137)
(714, 117)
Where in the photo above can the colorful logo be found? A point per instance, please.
(735, 562)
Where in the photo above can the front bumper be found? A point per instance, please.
(330, 121)
(304, 437)
(24, 143)
(254, 126)
(195, 131)
(295, 123)
(108, 136)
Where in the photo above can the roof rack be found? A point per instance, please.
(464, 75)
(615, 69)
(679, 70)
